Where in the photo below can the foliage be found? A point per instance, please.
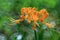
(11, 10)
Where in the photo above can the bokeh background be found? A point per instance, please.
(11, 9)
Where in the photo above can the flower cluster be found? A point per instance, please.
(31, 14)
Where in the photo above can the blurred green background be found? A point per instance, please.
(11, 8)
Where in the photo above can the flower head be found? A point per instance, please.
(31, 14)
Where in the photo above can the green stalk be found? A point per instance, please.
(35, 34)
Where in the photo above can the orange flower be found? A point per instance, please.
(17, 21)
(22, 17)
(31, 14)
(29, 20)
(44, 14)
(35, 17)
(22, 10)
(25, 10)
(26, 16)
(48, 25)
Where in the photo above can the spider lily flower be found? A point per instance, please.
(22, 17)
(48, 24)
(31, 14)
(17, 21)
(44, 14)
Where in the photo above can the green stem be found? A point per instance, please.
(35, 34)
